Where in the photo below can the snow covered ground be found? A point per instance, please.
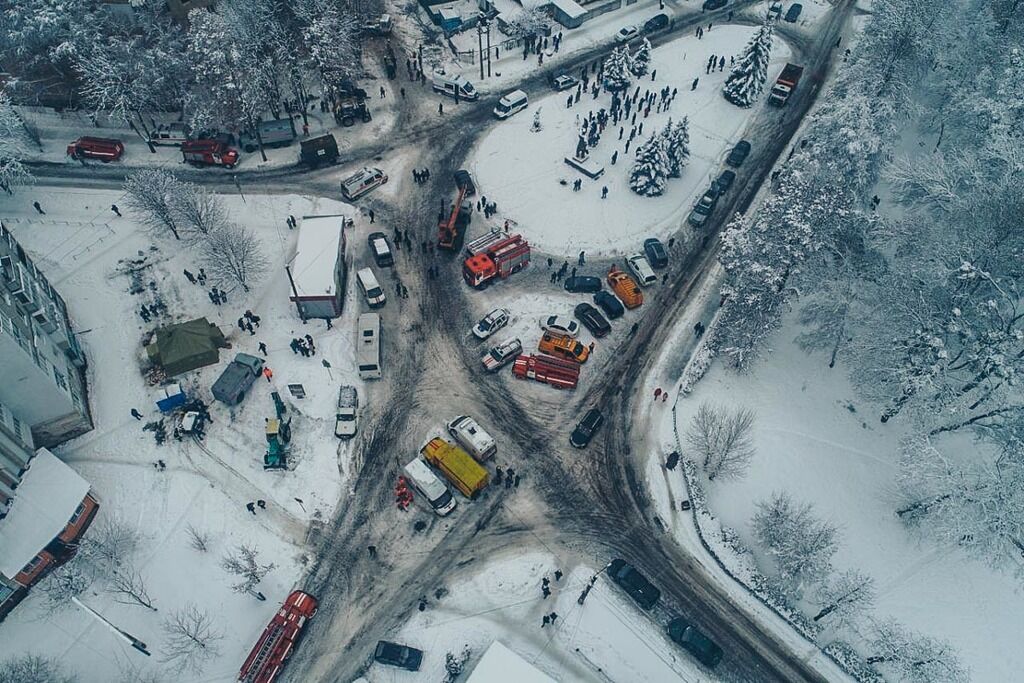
(82, 245)
(817, 441)
(608, 638)
(524, 171)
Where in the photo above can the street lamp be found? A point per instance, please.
(123, 635)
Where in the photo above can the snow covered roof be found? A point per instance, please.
(500, 665)
(48, 496)
(573, 10)
(316, 256)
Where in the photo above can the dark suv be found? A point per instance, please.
(634, 583)
(738, 154)
(655, 252)
(592, 320)
(402, 656)
(611, 306)
(584, 431)
(583, 283)
(695, 642)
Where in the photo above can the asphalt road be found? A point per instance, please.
(593, 505)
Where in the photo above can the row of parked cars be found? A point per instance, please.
(709, 200)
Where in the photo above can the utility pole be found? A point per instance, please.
(488, 34)
(123, 635)
(480, 41)
(298, 304)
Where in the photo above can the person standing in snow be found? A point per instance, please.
(136, 414)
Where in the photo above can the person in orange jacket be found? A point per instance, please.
(268, 373)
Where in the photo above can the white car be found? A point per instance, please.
(491, 323)
(641, 269)
(502, 354)
(560, 324)
(626, 34)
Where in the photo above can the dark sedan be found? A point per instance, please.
(402, 656)
(586, 428)
(611, 306)
(738, 154)
(583, 283)
(592, 320)
(634, 583)
(695, 642)
(656, 254)
(725, 181)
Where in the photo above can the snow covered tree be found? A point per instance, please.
(153, 193)
(649, 174)
(12, 147)
(30, 668)
(330, 36)
(117, 77)
(640, 62)
(722, 439)
(913, 657)
(234, 256)
(41, 38)
(243, 562)
(747, 79)
(844, 599)
(191, 638)
(677, 146)
(526, 22)
(199, 212)
(801, 544)
(616, 70)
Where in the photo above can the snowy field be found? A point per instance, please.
(608, 638)
(817, 441)
(524, 171)
(80, 244)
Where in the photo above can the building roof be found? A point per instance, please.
(500, 665)
(48, 496)
(316, 256)
(571, 9)
(186, 346)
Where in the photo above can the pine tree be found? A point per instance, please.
(677, 146)
(641, 61)
(650, 171)
(616, 70)
(749, 75)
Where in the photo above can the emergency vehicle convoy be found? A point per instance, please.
(278, 639)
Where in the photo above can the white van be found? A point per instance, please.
(371, 288)
(472, 437)
(511, 103)
(368, 345)
(641, 268)
(454, 86)
(362, 181)
(430, 487)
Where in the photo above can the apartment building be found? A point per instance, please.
(42, 379)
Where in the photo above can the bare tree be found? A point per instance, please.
(33, 669)
(801, 544)
(65, 582)
(130, 588)
(199, 211)
(914, 658)
(192, 638)
(722, 439)
(133, 673)
(152, 194)
(199, 540)
(845, 599)
(243, 562)
(111, 544)
(233, 255)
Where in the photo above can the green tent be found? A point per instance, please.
(186, 346)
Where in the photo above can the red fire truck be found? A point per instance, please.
(209, 153)
(278, 640)
(559, 373)
(494, 255)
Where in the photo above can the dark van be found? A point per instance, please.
(319, 150)
(656, 23)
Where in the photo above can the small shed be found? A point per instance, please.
(501, 665)
(186, 346)
(318, 269)
(568, 13)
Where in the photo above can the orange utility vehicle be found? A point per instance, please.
(625, 288)
(563, 346)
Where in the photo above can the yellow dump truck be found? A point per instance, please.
(465, 473)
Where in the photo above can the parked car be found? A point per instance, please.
(491, 323)
(775, 11)
(345, 417)
(634, 583)
(656, 23)
(464, 179)
(626, 34)
(560, 325)
(380, 247)
(793, 13)
(738, 154)
(714, 4)
(564, 82)
(725, 181)
(501, 355)
(655, 251)
(592, 320)
(402, 656)
(584, 432)
(641, 269)
(587, 284)
(705, 205)
(695, 642)
(611, 306)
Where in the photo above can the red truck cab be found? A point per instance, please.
(104, 149)
(495, 255)
(209, 153)
(278, 639)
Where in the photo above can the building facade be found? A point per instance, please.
(16, 449)
(42, 380)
